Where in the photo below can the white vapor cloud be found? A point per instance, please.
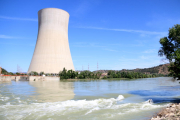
(15, 18)
(10, 37)
(128, 30)
(6, 37)
(150, 51)
(111, 50)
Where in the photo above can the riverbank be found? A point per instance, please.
(172, 112)
(95, 79)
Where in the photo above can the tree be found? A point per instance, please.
(171, 50)
(4, 71)
(17, 73)
(41, 73)
(33, 73)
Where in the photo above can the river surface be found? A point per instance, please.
(87, 100)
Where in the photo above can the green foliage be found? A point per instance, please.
(104, 77)
(171, 49)
(41, 73)
(175, 67)
(17, 73)
(130, 75)
(33, 73)
(4, 71)
(70, 74)
(10, 73)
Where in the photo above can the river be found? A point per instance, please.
(87, 99)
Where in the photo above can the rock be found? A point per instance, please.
(173, 105)
(172, 109)
(171, 112)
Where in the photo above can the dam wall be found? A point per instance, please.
(5, 78)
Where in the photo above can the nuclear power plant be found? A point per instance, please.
(52, 52)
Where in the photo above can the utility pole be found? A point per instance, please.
(88, 66)
(97, 66)
(18, 69)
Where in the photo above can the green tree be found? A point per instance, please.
(171, 50)
(10, 73)
(33, 73)
(4, 71)
(41, 73)
(17, 73)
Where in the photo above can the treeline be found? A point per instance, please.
(130, 75)
(70, 74)
(5, 72)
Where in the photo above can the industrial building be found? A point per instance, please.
(52, 52)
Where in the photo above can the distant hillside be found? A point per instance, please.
(161, 69)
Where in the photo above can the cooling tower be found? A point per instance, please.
(52, 52)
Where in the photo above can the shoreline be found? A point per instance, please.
(95, 79)
(171, 112)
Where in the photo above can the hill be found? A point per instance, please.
(160, 69)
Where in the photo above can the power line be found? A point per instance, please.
(97, 65)
(88, 66)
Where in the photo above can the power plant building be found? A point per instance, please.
(52, 52)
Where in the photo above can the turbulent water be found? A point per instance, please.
(79, 100)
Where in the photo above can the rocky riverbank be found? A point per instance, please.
(172, 112)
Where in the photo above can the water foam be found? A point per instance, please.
(74, 107)
(4, 98)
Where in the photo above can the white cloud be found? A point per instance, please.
(11, 37)
(149, 51)
(124, 59)
(144, 57)
(17, 44)
(15, 18)
(82, 8)
(6, 37)
(128, 30)
(111, 50)
(84, 44)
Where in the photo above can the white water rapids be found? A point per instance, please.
(74, 109)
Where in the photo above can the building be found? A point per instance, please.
(52, 52)
(0, 70)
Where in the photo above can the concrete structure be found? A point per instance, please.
(29, 78)
(52, 52)
(5, 78)
(0, 70)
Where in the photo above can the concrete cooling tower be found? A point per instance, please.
(52, 52)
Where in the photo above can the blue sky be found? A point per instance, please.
(118, 34)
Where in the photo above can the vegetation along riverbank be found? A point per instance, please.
(70, 74)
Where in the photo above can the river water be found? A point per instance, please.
(87, 100)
